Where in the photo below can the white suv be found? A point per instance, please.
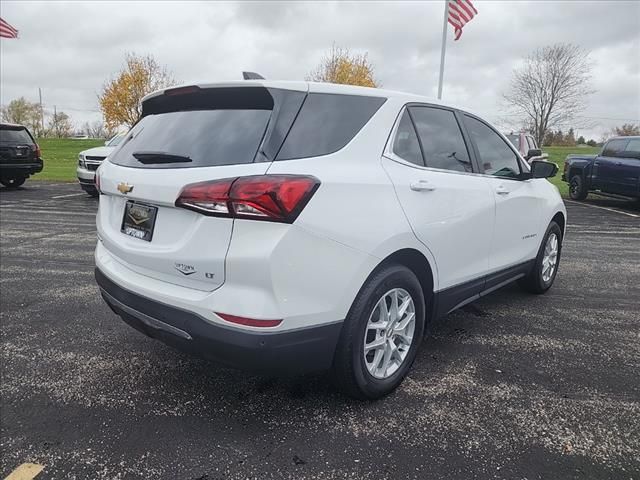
(89, 161)
(293, 227)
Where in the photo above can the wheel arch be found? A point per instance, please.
(418, 263)
(560, 219)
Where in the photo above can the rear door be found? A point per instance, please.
(628, 166)
(608, 176)
(185, 138)
(449, 206)
(517, 203)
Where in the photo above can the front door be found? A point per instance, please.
(516, 235)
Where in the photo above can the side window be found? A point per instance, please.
(532, 143)
(442, 142)
(614, 147)
(632, 150)
(326, 123)
(405, 143)
(496, 157)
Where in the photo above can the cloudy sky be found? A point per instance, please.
(70, 49)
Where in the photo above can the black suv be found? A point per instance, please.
(19, 155)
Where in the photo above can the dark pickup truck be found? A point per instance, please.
(19, 155)
(615, 170)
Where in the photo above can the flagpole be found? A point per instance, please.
(444, 47)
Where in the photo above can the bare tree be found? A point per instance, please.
(95, 129)
(60, 125)
(550, 88)
(626, 130)
(23, 112)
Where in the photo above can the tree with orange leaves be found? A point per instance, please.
(121, 96)
(341, 66)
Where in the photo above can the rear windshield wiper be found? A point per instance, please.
(149, 158)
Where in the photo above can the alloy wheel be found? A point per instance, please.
(389, 333)
(550, 258)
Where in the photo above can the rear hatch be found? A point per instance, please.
(187, 135)
(16, 145)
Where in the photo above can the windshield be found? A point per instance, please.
(515, 139)
(115, 141)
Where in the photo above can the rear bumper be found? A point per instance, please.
(290, 352)
(21, 169)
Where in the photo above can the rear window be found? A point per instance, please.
(632, 150)
(115, 141)
(197, 138)
(8, 135)
(326, 123)
(614, 147)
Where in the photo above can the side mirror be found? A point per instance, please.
(542, 169)
(534, 152)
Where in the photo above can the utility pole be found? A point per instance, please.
(41, 110)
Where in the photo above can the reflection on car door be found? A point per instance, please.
(450, 209)
(516, 235)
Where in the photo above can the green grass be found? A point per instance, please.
(557, 156)
(60, 157)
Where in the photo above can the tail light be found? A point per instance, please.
(37, 151)
(97, 176)
(276, 198)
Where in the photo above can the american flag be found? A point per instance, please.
(7, 31)
(460, 13)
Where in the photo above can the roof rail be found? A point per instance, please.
(252, 76)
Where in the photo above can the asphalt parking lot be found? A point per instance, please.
(514, 386)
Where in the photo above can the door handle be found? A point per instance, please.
(422, 186)
(501, 190)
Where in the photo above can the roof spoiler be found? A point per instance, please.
(252, 76)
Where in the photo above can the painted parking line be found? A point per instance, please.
(69, 195)
(52, 212)
(26, 471)
(604, 208)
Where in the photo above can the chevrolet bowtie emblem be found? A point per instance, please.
(124, 188)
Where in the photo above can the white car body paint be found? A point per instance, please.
(308, 273)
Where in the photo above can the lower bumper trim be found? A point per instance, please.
(146, 319)
(289, 352)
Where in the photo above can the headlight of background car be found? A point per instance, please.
(81, 160)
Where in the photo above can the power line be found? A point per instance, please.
(582, 116)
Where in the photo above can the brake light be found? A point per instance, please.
(38, 152)
(98, 180)
(249, 322)
(182, 90)
(276, 198)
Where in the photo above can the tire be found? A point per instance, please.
(350, 370)
(14, 182)
(577, 190)
(539, 280)
(93, 192)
